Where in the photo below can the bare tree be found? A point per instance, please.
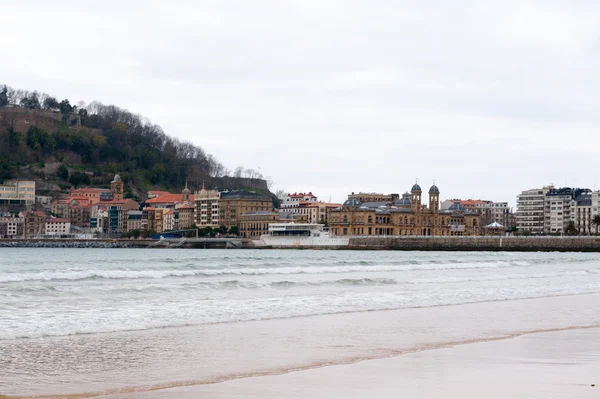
(281, 194)
(269, 182)
(237, 173)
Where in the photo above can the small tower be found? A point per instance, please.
(434, 198)
(415, 193)
(185, 193)
(117, 187)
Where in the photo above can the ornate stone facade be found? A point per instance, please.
(407, 217)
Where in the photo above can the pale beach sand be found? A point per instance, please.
(561, 364)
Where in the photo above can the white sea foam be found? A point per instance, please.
(103, 291)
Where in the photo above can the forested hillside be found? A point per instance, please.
(88, 143)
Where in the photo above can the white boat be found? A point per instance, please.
(299, 235)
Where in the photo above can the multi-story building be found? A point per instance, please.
(149, 219)
(581, 213)
(234, 204)
(169, 220)
(294, 200)
(162, 199)
(530, 210)
(185, 217)
(408, 216)
(206, 204)
(134, 220)
(93, 195)
(17, 193)
(35, 223)
(80, 215)
(500, 213)
(315, 212)
(557, 208)
(12, 227)
(58, 226)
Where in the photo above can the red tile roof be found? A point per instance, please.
(168, 199)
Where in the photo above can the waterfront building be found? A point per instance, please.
(581, 213)
(185, 217)
(255, 224)
(234, 204)
(58, 226)
(557, 208)
(148, 219)
(408, 216)
(12, 227)
(17, 193)
(530, 210)
(500, 213)
(315, 212)
(134, 220)
(206, 204)
(79, 215)
(294, 200)
(35, 223)
(169, 220)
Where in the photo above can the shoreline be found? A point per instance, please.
(409, 243)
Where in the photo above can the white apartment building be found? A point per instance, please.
(17, 192)
(206, 208)
(58, 226)
(11, 227)
(294, 200)
(557, 208)
(530, 210)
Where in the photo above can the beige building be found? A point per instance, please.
(58, 226)
(530, 210)
(206, 207)
(557, 208)
(35, 223)
(408, 216)
(17, 192)
(234, 204)
(185, 217)
(315, 212)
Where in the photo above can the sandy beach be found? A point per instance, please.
(561, 364)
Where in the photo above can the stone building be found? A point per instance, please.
(184, 217)
(234, 204)
(377, 197)
(35, 223)
(408, 216)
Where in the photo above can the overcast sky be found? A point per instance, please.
(330, 96)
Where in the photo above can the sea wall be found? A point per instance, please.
(65, 243)
(484, 243)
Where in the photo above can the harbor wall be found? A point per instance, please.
(483, 243)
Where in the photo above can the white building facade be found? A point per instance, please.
(294, 200)
(530, 210)
(20, 192)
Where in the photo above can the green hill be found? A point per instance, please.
(48, 139)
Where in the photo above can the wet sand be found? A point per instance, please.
(561, 364)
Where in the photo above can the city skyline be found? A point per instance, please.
(392, 93)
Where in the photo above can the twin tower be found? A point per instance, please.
(434, 198)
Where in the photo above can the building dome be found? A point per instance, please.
(457, 206)
(352, 201)
(416, 187)
(434, 189)
(404, 201)
(186, 190)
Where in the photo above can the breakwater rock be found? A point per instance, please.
(65, 244)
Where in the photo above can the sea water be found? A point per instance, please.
(78, 320)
